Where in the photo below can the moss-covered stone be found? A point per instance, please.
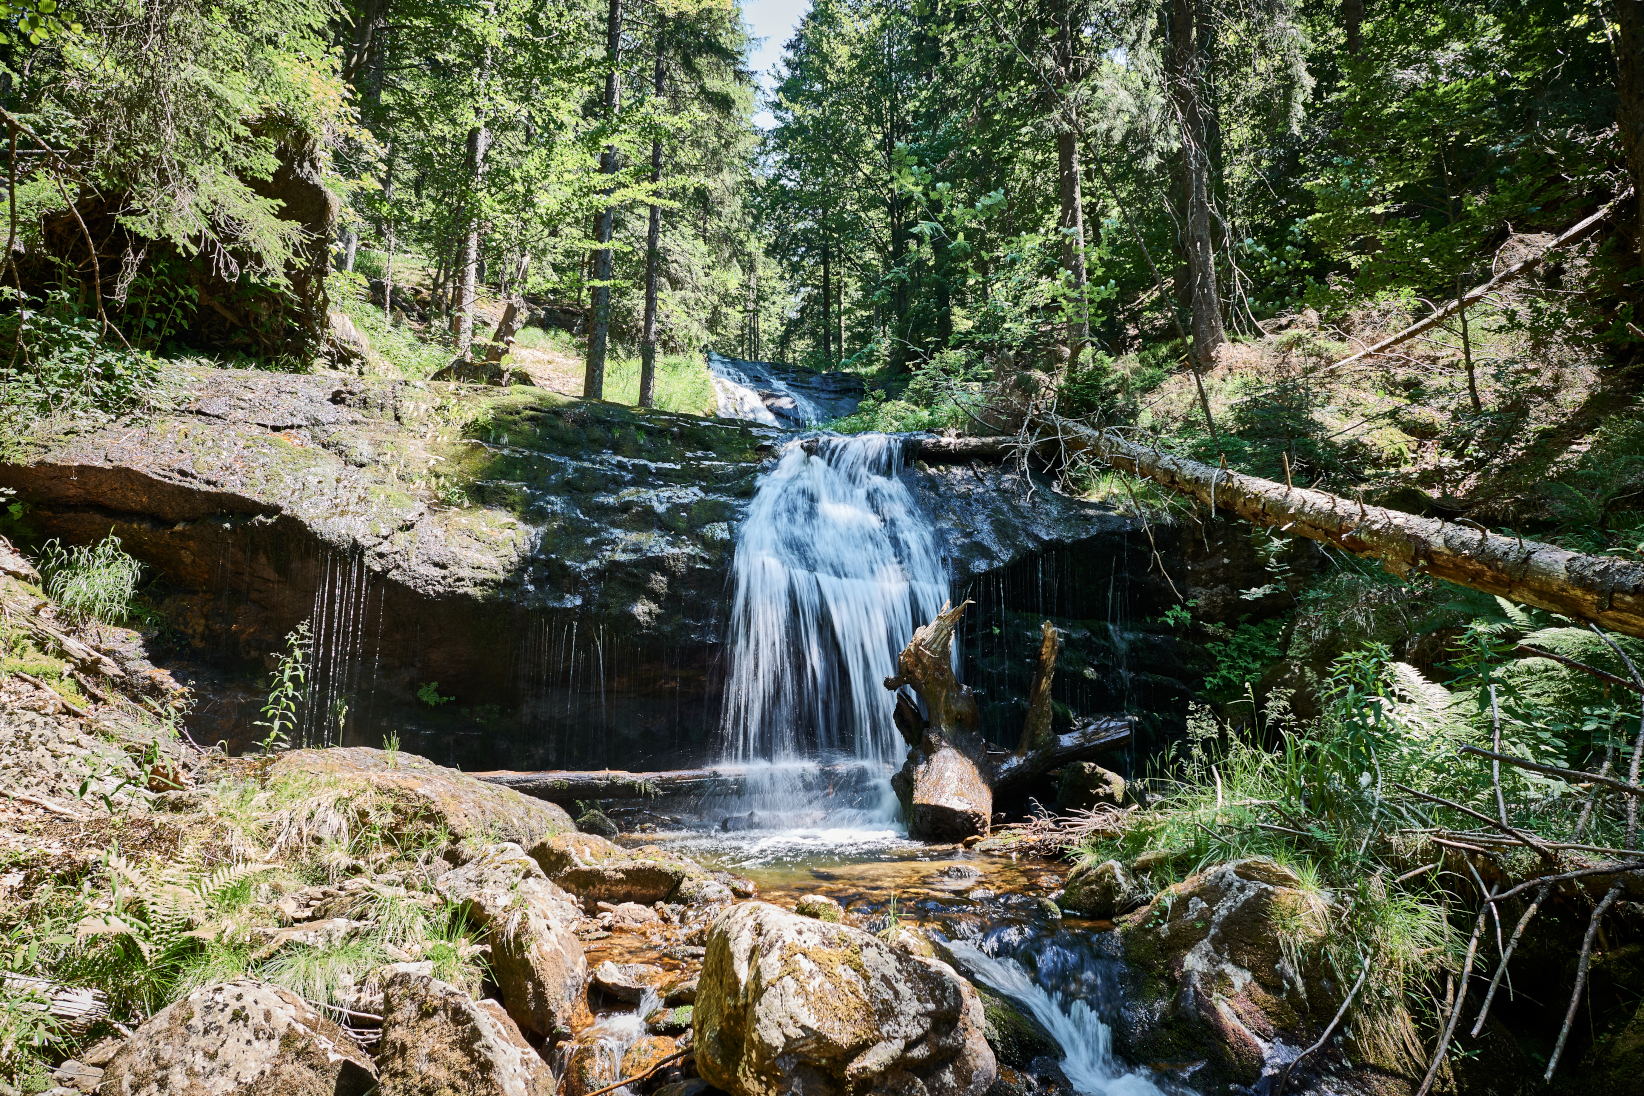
(1016, 1037)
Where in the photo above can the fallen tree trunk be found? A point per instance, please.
(1601, 589)
(569, 786)
(1088, 738)
(1473, 296)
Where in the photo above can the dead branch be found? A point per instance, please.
(1576, 232)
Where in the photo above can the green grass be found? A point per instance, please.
(91, 583)
(683, 383)
(399, 345)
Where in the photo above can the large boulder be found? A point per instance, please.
(1213, 975)
(536, 958)
(792, 1005)
(595, 870)
(239, 1039)
(438, 1041)
(470, 809)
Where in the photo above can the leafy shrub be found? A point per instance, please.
(62, 362)
(91, 583)
(289, 689)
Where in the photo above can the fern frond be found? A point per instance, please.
(1519, 618)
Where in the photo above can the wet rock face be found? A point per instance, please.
(438, 1041)
(555, 567)
(1209, 979)
(523, 550)
(239, 1039)
(788, 1004)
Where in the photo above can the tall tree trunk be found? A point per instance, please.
(653, 248)
(479, 141)
(827, 306)
(1628, 43)
(388, 266)
(1352, 24)
(1185, 62)
(1071, 220)
(593, 377)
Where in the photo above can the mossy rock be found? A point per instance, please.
(1015, 1036)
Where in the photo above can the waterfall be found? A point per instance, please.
(1086, 1042)
(738, 394)
(834, 567)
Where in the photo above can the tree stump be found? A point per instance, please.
(947, 784)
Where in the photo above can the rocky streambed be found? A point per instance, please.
(566, 962)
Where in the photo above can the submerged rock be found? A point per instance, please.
(239, 1039)
(536, 958)
(470, 809)
(791, 1004)
(627, 981)
(1016, 1037)
(438, 1041)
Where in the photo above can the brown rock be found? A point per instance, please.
(791, 1004)
(595, 870)
(239, 1039)
(646, 1054)
(1086, 786)
(1100, 890)
(536, 958)
(1228, 991)
(472, 810)
(438, 1041)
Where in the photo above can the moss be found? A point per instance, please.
(1016, 1037)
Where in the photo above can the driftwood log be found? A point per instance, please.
(950, 778)
(1602, 589)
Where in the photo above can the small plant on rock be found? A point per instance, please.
(281, 711)
(91, 583)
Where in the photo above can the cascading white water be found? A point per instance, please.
(834, 566)
(1086, 1042)
(737, 399)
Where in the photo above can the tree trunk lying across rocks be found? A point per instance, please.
(571, 786)
(1601, 589)
(949, 780)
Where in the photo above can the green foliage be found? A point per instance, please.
(429, 694)
(288, 691)
(91, 583)
(1241, 657)
(65, 365)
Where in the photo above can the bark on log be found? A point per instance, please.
(939, 449)
(569, 786)
(1601, 589)
(1036, 728)
(1088, 738)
